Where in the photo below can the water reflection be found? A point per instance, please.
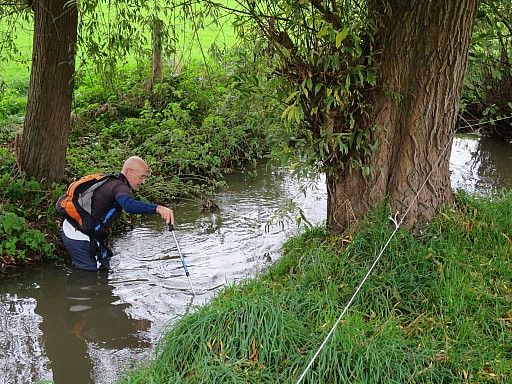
(481, 165)
(23, 356)
(63, 320)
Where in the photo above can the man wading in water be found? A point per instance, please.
(109, 200)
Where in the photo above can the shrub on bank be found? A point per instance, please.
(28, 228)
(437, 308)
(193, 128)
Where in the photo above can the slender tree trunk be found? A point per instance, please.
(42, 151)
(156, 74)
(424, 46)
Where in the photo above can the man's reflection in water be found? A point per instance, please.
(82, 316)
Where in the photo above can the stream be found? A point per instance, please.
(76, 327)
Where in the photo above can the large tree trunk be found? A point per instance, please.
(42, 151)
(424, 47)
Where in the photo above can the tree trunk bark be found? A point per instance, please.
(156, 73)
(424, 48)
(42, 151)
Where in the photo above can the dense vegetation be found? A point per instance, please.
(487, 92)
(437, 308)
(193, 128)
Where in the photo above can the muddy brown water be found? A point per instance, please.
(80, 327)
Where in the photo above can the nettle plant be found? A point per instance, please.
(24, 206)
(18, 241)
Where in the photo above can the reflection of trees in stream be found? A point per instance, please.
(77, 315)
(480, 165)
(492, 163)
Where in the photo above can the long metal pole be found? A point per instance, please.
(171, 228)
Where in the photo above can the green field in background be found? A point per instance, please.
(191, 47)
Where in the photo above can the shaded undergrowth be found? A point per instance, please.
(437, 308)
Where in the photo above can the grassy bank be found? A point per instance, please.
(437, 308)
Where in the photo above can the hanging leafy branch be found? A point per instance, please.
(14, 18)
(112, 32)
(324, 51)
(109, 32)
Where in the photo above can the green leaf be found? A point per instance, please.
(370, 77)
(323, 31)
(340, 36)
(318, 87)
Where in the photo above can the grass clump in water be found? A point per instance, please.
(437, 308)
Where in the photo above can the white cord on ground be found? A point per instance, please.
(397, 227)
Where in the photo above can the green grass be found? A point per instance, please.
(17, 32)
(193, 46)
(437, 308)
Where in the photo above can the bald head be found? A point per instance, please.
(135, 170)
(134, 162)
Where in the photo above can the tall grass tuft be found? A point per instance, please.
(437, 308)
